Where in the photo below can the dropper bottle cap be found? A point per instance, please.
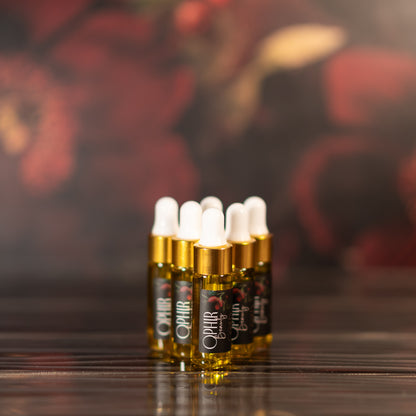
(166, 217)
(212, 252)
(190, 217)
(211, 202)
(257, 214)
(237, 223)
(165, 226)
(238, 235)
(190, 221)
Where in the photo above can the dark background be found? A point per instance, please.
(105, 106)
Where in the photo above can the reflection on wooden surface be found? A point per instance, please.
(342, 346)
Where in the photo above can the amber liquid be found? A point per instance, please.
(180, 352)
(159, 347)
(202, 360)
(243, 351)
(263, 342)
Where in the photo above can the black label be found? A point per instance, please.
(182, 312)
(242, 313)
(215, 320)
(161, 308)
(262, 304)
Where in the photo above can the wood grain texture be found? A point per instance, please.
(343, 345)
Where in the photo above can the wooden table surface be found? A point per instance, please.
(343, 345)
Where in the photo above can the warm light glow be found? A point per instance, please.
(13, 133)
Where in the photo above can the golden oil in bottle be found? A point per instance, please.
(262, 330)
(159, 276)
(212, 296)
(238, 235)
(212, 303)
(182, 280)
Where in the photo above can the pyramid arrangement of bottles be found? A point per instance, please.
(209, 286)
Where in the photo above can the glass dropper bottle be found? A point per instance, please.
(212, 296)
(159, 275)
(182, 279)
(256, 208)
(243, 281)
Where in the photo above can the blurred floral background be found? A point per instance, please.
(107, 105)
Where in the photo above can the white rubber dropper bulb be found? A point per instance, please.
(211, 202)
(166, 217)
(236, 229)
(257, 215)
(213, 233)
(190, 218)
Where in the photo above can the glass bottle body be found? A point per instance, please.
(242, 313)
(211, 322)
(159, 307)
(181, 332)
(262, 306)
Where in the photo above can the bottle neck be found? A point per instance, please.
(243, 254)
(183, 253)
(160, 249)
(263, 248)
(213, 260)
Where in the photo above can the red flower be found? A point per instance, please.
(43, 17)
(38, 122)
(131, 100)
(358, 81)
(135, 99)
(192, 16)
(349, 171)
(306, 182)
(93, 117)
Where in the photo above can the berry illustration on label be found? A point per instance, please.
(262, 304)
(182, 312)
